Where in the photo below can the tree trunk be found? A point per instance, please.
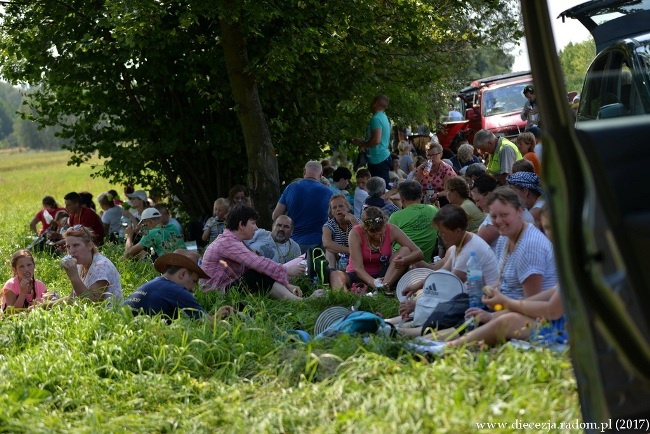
(263, 175)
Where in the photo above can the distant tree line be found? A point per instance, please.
(17, 132)
(575, 60)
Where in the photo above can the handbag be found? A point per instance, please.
(317, 265)
(448, 314)
(440, 286)
(362, 160)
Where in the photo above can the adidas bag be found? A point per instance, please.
(439, 286)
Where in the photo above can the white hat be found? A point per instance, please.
(138, 194)
(150, 213)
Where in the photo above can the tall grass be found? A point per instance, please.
(90, 368)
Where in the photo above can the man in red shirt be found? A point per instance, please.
(81, 215)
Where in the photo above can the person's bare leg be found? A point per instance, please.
(331, 258)
(410, 332)
(393, 274)
(504, 327)
(281, 292)
(440, 335)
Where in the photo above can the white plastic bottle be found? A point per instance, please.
(474, 282)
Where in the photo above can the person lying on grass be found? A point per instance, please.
(171, 293)
(231, 264)
(538, 317)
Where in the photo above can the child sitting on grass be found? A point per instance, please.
(22, 290)
(216, 224)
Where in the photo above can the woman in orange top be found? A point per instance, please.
(526, 144)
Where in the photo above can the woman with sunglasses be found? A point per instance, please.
(372, 260)
(92, 274)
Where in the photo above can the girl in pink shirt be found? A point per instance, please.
(22, 290)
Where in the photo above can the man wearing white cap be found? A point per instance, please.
(159, 238)
(171, 293)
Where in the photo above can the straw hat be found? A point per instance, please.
(411, 276)
(328, 317)
(187, 259)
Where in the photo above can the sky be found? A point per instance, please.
(569, 31)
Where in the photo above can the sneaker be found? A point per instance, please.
(427, 342)
(436, 349)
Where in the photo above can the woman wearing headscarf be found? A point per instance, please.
(528, 188)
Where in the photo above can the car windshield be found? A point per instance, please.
(505, 99)
(605, 14)
(617, 86)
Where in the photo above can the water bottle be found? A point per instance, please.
(124, 222)
(343, 262)
(474, 284)
(428, 167)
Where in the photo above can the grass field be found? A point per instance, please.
(88, 368)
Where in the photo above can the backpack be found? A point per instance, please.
(317, 265)
(448, 314)
(440, 286)
(354, 322)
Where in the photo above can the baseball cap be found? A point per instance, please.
(139, 194)
(150, 213)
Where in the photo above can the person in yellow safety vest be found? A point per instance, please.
(503, 153)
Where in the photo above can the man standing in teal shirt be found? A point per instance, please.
(377, 140)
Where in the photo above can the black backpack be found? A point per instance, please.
(317, 265)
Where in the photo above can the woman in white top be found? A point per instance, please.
(92, 274)
(452, 222)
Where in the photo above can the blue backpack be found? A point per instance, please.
(355, 322)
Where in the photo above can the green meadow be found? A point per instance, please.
(87, 368)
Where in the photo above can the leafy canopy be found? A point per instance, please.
(144, 84)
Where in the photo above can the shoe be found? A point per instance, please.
(437, 349)
(427, 342)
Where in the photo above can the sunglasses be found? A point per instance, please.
(81, 228)
(374, 221)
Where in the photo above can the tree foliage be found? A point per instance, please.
(18, 132)
(149, 87)
(575, 60)
(489, 61)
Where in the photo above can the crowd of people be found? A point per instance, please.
(404, 212)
